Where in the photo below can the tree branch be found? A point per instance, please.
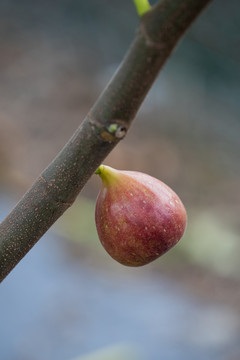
(107, 122)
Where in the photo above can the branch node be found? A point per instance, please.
(114, 132)
(110, 132)
(149, 42)
(118, 130)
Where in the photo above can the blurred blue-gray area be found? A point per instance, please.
(67, 298)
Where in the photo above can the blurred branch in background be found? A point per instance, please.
(57, 187)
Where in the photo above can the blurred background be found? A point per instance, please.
(68, 299)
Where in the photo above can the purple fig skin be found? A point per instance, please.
(138, 217)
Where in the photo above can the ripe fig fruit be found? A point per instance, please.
(138, 217)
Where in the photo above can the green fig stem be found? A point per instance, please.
(99, 170)
(107, 174)
(142, 6)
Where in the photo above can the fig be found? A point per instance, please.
(138, 217)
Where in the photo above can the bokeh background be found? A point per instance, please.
(68, 299)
